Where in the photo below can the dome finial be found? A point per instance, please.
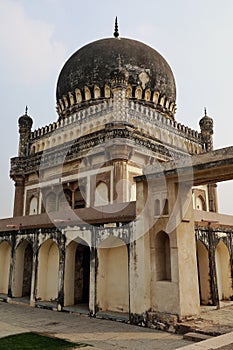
(205, 112)
(116, 32)
(26, 110)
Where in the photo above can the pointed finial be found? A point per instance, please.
(116, 32)
(205, 112)
(26, 110)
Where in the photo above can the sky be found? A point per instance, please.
(38, 36)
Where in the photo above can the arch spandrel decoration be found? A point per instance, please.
(123, 233)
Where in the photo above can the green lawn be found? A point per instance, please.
(34, 341)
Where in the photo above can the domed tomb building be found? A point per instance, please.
(116, 101)
(87, 239)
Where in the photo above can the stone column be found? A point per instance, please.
(34, 271)
(212, 195)
(93, 281)
(139, 261)
(188, 291)
(120, 187)
(61, 272)
(93, 274)
(19, 196)
(212, 266)
(11, 270)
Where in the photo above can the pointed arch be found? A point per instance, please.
(156, 97)
(5, 257)
(51, 202)
(87, 93)
(203, 273)
(107, 91)
(48, 267)
(129, 91)
(79, 197)
(138, 93)
(224, 280)
(77, 273)
(23, 270)
(33, 206)
(200, 203)
(162, 101)
(162, 257)
(71, 98)
(65, 200)
(147, 94)
(97, 92)
(112, 277)
(101, 194)
(78, 95)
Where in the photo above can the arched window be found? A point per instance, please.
(33, 207)
(200, 203)
(165, 206)
(162, 257)
(223, 270)
(77, 273)
(79, 198)
(138, 93)
(50, 203)
(101, 194)
(112, 276)
(48, 271)
(65, 200)
(157, 207)
(133, 192)
(203, 273)
(5, 256)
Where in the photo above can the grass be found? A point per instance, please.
(35, 341)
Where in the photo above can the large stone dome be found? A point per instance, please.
(94, 65)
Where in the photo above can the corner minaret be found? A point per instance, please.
(206, 124)
(25, 125)
(207, 131)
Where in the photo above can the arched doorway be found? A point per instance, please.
(33, 207)
(203, 273)
(48, 267)
(5, 257)
(162, 257)
(223, 270)
(112, 277)
(51, 202)
(200, 203)
(23, 270)
(101, 194)
(77, 274)
(65, 200)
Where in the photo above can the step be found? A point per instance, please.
(196, 336)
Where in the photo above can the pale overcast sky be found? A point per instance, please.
(38, 36)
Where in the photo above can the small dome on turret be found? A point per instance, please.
(206, 123)
(25, 121)
(207, 129)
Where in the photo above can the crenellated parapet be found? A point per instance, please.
(81, 98)
(93, 118)
(78, 148)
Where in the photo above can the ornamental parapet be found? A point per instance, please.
(134, 110)
(78, 149)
